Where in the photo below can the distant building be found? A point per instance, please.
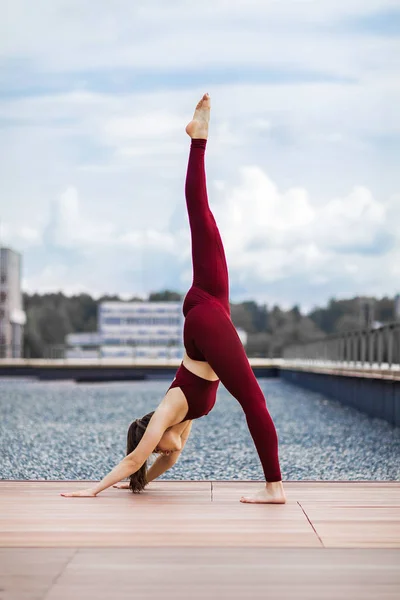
(132, 329)
(242, 335)
(12, 316)
(141, 329)
(397, 307)
(83, 345)
(87, 339)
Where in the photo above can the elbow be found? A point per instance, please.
(132, 465)
(172, 458)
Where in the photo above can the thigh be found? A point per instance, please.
(218, 341)
(190, 329)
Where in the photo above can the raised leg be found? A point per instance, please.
(210, 272)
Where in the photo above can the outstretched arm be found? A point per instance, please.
(159, 466)
(158, 423)
(163, 463)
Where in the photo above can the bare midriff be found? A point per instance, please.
(200, 368)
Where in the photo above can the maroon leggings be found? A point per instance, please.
(209, 334)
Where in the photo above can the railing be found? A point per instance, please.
(123, 351)
(365, 346)
(10, 351)
(126, 352)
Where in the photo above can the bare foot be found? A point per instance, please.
(123, 485)
(198, 127)
(272, 493)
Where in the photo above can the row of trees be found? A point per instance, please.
(50, 317)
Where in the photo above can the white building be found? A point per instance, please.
(242, 335)
(12, 316)
(132, 329)
(397, 307)
(141, 329)
(83, 345)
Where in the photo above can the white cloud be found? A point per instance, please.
(150, 125)
(334, 137)
(21, 236)
(70, 229)
(32, 236)
(269, 235)
(352, 221)
(101, 173)
(162, 241)
(72, 35)
(57, 277)
(272, 235)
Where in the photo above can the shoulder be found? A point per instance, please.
(182, 428)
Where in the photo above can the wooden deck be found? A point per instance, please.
(184, 539)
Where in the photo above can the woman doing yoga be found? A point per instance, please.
(213, 353)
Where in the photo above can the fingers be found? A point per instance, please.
(83, 494)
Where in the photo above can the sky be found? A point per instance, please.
(302, 159)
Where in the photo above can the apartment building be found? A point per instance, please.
(132, 329)
(12, 316)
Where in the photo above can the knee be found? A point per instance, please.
(257, 410)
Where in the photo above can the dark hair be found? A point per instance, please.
(138, 480)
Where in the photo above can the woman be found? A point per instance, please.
(213, 353)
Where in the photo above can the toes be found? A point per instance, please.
(205, 98)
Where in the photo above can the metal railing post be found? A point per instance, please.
(380, 346)
(362, 346)
(389, 332)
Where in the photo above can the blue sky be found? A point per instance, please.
(303, 157)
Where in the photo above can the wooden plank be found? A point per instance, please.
(177, 573)
(332, 492)
(167, 514)
(235, 573)
(203, 514)
(359, 514)
(27, 574)
(343, 514)
(355, 526)
(196, 539)
(356, 493)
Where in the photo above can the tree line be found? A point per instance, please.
(50, 317)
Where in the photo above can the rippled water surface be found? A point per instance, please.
(62, 430)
